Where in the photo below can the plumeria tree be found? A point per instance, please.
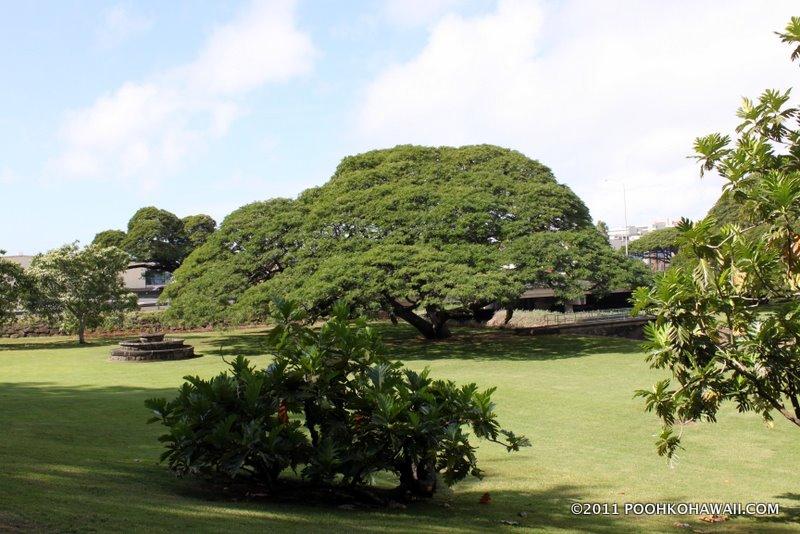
(332, 407)
(727, 323)
(79, 286)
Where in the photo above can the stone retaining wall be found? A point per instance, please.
(18, 330)
(631, 328)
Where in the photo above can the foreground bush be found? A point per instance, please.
(332, 408)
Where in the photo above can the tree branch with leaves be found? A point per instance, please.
(727, 323)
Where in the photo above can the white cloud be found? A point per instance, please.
(417, 12)
(119, 24)
(603, 92)
(146, 129)
(262, 45)
(8, 177)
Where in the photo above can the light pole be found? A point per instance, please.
(625, 212)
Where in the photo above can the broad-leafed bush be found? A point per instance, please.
(231, 425)
(332, 408)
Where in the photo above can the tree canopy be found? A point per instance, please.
(158, 238)
(197, 229)
(727, 322)
(416, 231)
(252, 245)
(109, 238)
(726, 210)
(661, 240)
(79, 286)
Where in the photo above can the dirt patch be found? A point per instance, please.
(14, 523)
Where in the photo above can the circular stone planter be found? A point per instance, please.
(152, 347)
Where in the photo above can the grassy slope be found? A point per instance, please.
(75, 453)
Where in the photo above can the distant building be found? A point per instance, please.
(541, 298)
(146, 283)
(140, 279)
(617, 236)
(21, 260)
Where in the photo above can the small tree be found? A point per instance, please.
(79, 286)
(663, 240)
(12, 288)
(712, 330)
(658, 247)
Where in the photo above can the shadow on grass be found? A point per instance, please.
(501, 345)
(44, 343)
(787, 513)
(232, 344)
(82, 458)
(405, 343)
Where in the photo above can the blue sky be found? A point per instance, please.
(202, 107)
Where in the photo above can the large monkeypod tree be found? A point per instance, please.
(157, 238)
(728, 321)
(418, 232)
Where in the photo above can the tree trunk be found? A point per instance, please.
(81, 332)
(311, 421)
(509, 315)
(438, 320)
(433, 329)
(418, 479)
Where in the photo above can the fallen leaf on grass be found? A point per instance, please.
(713, 518)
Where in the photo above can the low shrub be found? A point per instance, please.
(332, 408)
(143, 321)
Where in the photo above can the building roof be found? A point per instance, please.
(21, 259)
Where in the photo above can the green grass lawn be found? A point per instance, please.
(76, 454)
